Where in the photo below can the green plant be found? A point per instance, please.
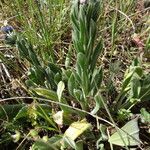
(55, 120)
(42, 74)
(15, 118)
(86, 79)
(135, 88)
(145, 116)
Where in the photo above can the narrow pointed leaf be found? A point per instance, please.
(99, 104)
(60, 88)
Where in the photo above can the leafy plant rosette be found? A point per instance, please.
(86, 78)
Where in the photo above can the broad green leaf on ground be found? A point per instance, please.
(60, 88)
(128, 135)
(76, 129)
